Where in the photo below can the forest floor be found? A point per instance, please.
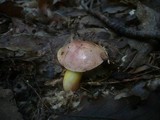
(124, 87)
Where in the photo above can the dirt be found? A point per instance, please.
(31, 33)
(8, 109)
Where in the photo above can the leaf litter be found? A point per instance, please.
(31, 32)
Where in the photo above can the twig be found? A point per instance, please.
(117, 82)
(120, 29)
(37, 95)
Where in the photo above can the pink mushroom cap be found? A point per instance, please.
(81, 56)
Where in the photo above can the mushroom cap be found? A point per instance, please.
(81, 56)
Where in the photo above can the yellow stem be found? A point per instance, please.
(71, 80)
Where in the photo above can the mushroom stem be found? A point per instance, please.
(71, 80)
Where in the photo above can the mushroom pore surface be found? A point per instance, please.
(81, 56)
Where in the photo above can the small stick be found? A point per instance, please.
(120, 29)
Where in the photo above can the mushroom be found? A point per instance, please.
(77, 57)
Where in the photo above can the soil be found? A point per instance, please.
(124, 87)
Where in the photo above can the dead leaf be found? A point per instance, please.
(11, 9)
